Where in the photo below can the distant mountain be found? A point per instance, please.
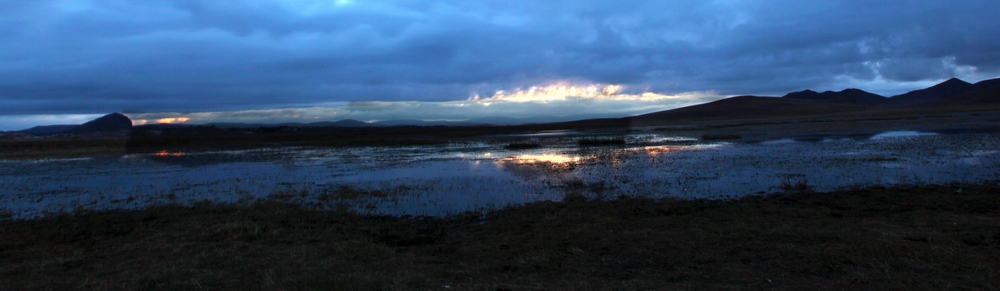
(111, 122)
(953, 93)
(951, 87)
(501, 120)
(237, 125)
(857, 96)
(985, 84)
(162, 126)
(404, 122)
(751, 107)
(49, 129)
(339, 123)
(982, 94)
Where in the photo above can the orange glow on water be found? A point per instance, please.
(656, 150)
(549, 158)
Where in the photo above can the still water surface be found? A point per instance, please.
(443, 180)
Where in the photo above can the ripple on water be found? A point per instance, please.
(894, 134)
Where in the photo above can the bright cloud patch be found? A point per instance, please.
(169, 120)
(554, 102)
(563, 92)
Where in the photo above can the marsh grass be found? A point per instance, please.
(347, 192)
(800, 185)
(576, 187)
(932, 237)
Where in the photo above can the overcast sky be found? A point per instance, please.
(63, 61)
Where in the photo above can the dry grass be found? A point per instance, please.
(900, 238)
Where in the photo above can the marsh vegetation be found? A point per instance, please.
(934, 237)
(820, 204)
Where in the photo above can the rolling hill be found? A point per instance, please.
(111, 122)
(950, 94)
(946, 89)
(749, 107)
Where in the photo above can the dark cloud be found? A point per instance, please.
(93, 56)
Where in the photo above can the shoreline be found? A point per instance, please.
(141, 142)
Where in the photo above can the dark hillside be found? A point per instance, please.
(951, 87)
(856, 96)
(111, 122)
(748, 107)
(49, 129)
(985, 94)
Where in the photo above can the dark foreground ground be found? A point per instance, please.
(929, 238)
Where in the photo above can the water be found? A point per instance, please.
(443, 180)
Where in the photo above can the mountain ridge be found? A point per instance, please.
(949, 88)
(951, 93)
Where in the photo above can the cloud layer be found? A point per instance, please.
(556, 102)
(98, 56)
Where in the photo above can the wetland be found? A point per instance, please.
(852, 204)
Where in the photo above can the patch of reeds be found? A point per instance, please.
(800, 185)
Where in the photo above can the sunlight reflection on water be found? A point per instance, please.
(447, 179)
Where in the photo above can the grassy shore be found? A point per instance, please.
(933, 237)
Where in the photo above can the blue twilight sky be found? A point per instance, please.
(65, 61)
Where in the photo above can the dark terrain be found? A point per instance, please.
(928, 238)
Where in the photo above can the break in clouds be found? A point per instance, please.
(535, 104)
(60, 57)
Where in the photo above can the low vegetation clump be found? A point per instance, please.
(925, 238)
(800, 185)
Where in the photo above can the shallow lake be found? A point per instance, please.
(449, 179)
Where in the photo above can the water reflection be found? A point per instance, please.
(657, 150)
(544, 158)
(534, 166)
(891, 134)
(438, 180)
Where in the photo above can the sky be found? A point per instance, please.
(198, 61)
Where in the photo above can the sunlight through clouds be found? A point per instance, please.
(557, 102)
(168, 120)
(563, 92)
